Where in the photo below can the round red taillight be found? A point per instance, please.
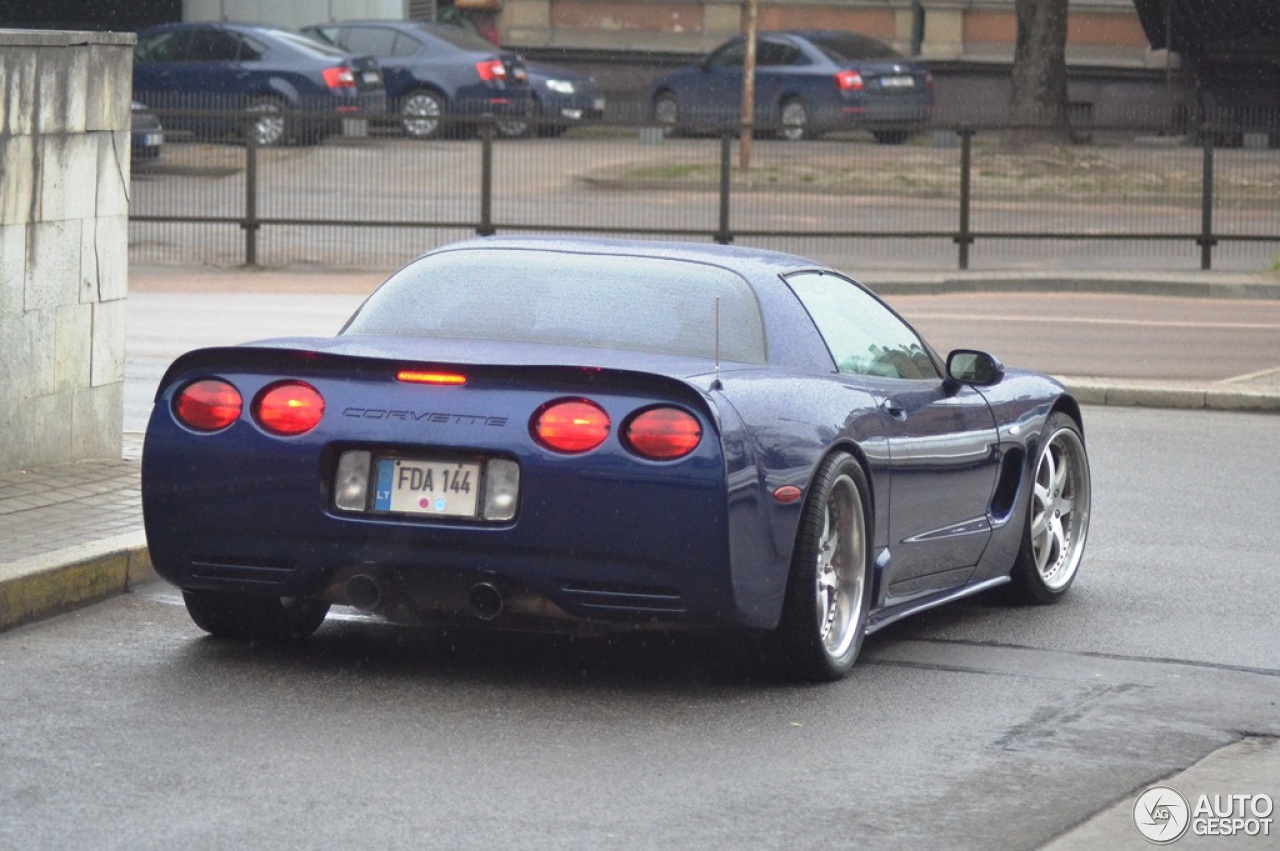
(572, 425)
(663, 434)
(288, 408)
(210, 404)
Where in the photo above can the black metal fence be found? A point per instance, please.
(950, 197)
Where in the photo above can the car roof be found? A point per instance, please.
(750, 262)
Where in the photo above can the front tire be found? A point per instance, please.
(246, 617)
(666, 112)
(1057, 517)
(828, 597)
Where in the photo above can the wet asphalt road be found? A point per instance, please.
(976, 726)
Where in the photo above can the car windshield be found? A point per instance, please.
(843, 47)
(611, 301)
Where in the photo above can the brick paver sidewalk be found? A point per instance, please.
(46, 509)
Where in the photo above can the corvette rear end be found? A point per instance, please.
(438, 490)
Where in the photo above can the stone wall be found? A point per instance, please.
(64, 208)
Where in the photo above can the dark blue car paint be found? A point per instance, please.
(702, 536)
(710, 95)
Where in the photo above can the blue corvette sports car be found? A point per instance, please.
(533, 433)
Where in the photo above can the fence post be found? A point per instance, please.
(726, 151)
(963, 239)
(486, 176)
(250, 223)
(1206, 240)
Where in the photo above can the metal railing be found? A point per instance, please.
(958, 186)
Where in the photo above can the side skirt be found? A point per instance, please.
(884, 617)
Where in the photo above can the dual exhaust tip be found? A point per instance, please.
(365, 593)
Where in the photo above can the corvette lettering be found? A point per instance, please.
(424, 417)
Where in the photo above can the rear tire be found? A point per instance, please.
(422, 114)
(246, 617)
(1057, 522)
(271, 129)
(794, 118)
(828, 597)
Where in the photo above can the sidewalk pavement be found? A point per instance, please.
(71, 534)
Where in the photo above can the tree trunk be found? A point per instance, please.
(1038, 101)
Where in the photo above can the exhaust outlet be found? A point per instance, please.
(363, 592)
(485, 600)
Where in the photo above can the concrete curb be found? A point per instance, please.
(49, 583)
(1135, 395)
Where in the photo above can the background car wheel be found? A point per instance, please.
(1058, 516)
(269, 128)
(249, 617)
(891, 137)
(794, 118)
(666, 112)
(829, 589)
(422, 114)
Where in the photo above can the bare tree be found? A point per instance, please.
(1038, 101)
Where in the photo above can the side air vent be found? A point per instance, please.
(1007, 485)
(626, 598)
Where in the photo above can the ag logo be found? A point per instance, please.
(1161, 815)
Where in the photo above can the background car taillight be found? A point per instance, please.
(340, 77)
(662, 434)
(928, 79)
(849, 81)
(288, 408)
(570, 426)
(491, 69)
(208, 405)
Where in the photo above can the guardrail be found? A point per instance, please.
(962, 185)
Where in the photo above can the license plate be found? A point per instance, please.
(438, 488)
(151, 140)
(897, 82)
(372, 77)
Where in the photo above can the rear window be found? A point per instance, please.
(843, 47)
(610, 301)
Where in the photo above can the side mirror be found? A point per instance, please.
(978, 369)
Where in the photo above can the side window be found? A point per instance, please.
(371, 41)
(729, 56)
(777, 53)
(864, 336)
(161, 47)
(404, 46)
(252, 50)
(213, 46)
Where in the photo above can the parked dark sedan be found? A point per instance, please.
(563, 98)
(542, 433)
(807, 82)
(303, 89)
(436, 71)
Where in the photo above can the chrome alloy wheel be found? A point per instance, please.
(421, 113)
(795, 120)
(841, 574)
(1060, 508)
(268, 128)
